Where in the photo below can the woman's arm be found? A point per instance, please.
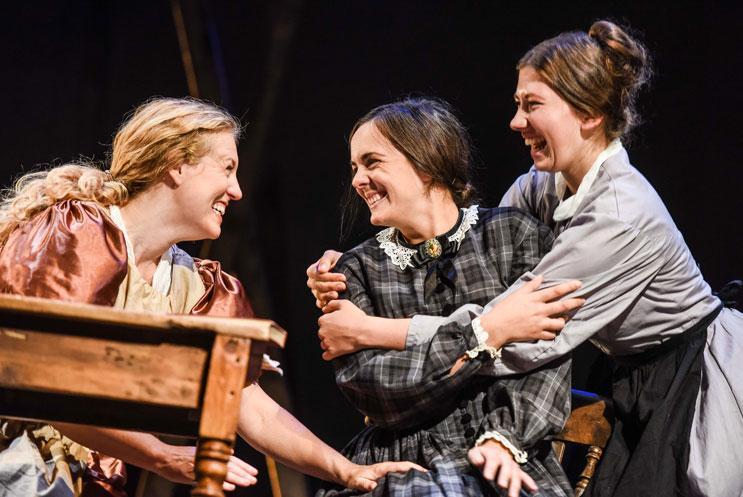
(175, 463)
(529, 314)
(399, 388)
(272, 430)
(613, 261)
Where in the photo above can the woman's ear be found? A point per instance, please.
(174, 176)
(591, 123)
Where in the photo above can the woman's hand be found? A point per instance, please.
(345, 329)
(341, 329)
(530, 314)
(364, 478)
(492, 459)
(177, 465)
(325, 286)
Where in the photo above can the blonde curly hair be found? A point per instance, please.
(160, 134)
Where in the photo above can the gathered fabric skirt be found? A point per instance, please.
(449, 472)
(654, 396)
(441, 446)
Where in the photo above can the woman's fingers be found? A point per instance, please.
(328, 286)
(553, 324)
(557, 291)
(475, 456)
(546, 335)
(331, 306)
(323, 264)
(314, 277)
(328, 260)
(239, 473)
(563, 306)
(239, 466)
(490, 468)
(325, 285)
(514, 485)
(532, 285)
(528, 482)
(399, 467)
(504, 475)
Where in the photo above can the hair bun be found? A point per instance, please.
(626, 57)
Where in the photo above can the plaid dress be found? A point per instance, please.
(418, 412)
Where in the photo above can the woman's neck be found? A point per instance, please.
(436, 217)
(582, 163)
(147, 227)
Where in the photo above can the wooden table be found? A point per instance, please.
(168, 374)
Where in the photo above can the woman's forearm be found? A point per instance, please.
(140, 449)
(385, 333)
(274, 431)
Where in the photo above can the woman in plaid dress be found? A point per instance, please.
(410, 164)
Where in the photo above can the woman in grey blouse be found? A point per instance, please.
(678, 397)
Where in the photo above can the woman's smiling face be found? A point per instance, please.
(207, 187)
(551, 128)
(384, 178)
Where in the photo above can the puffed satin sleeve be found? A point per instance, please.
(224, 295)
(71, 251)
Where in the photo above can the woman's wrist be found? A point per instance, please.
(161, 458)
(496, 334)
(341, 471)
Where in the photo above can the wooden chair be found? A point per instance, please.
(168, 374)
(589, 424)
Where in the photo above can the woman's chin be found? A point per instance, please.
(376, 222)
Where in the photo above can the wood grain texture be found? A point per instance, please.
(156, 374)
(228, 366)
(590, 423)
(36, 308)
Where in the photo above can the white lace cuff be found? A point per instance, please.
(518, 455)
(482, 340)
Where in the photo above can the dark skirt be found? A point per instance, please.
(654, 394)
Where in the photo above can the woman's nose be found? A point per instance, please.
(359, 179)
(518, 122)
(233, 190)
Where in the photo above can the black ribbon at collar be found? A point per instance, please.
(441, 274)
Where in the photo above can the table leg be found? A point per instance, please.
(228, 366)
(211, 467)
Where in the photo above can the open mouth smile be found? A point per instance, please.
(373, 198)
(536, 144)
(219, 208)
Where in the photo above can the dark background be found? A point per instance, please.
(299, 73)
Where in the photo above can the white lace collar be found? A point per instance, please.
(162, 278)
(566, 208)
(401, 255)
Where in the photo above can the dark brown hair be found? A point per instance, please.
(430, 136)
(598, 73)
(426, 131)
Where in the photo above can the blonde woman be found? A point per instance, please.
(80, 234)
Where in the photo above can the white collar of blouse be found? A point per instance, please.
(567, 207)
(402, 256)
(162, 278)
